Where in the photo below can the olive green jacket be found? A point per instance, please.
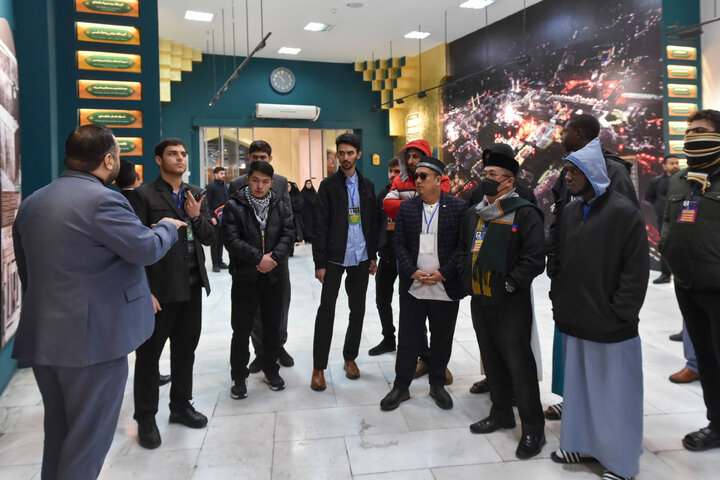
(692, 250)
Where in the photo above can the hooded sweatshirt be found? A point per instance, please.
(604, 260)
(403, 186)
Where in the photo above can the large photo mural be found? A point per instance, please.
(527, 74)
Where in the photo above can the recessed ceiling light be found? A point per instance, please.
(355, 4)
(418, 35)
(477, 4)
(199, 16)
(290, 50)
(316, 27)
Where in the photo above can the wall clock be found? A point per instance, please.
(282, 80)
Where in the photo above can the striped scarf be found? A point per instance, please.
(702, 150)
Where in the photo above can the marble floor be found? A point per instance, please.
(341, 433)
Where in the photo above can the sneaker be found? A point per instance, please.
(238, 390)
(256, 365)
(285, 359)
(274, 381)
(149, 435)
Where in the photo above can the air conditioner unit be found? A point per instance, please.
(294, 112)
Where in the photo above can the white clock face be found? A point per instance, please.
(282, 80)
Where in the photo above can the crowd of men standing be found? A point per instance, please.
(139, 281)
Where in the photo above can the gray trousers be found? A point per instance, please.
(257, 330)
(82, 406)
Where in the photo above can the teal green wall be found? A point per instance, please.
(336, 88)
(7, 364)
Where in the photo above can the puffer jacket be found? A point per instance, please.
(243, 239)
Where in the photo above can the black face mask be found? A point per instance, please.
(489, 187)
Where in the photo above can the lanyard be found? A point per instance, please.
(352, 193)
(428, 222)
(178, 198)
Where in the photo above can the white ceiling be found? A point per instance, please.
(356, 32)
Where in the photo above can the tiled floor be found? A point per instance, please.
(341, 433)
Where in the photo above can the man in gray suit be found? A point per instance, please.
(80, 252)
(261, 150)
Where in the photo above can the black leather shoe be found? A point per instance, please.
(489, 425)
(480, 386)
(149, 435)
(255, 366)
(189, 417)
(216, 269)
(163, 380)
(676, 337)
(662, 279)
(285, 359)
(393, 399)
(386, 346)
(223, 266)
(529, 446)
(441, 396)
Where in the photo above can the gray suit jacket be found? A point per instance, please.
(279, 185)
(80, 251)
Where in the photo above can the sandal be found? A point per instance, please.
(703, 439)
(608, 475)
(480, 386)
(561, 456)
(554, 412)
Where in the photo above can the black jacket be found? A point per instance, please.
(656, 194)
(169, 279)
(385, 237)
(243, 239)
(600, 285)
(216, 196)
(330, 219)
(620, 181)
(297, 202)
(525, 254)
(309, 196)
(692, 250)
(406, 238)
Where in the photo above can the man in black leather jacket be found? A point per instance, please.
(258, 233)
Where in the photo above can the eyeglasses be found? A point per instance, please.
(424, 176)
(492, 174)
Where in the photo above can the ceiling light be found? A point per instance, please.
(477, 4)
(290, 50)
(422, 94)
(417, 35)
(355, 4)
(199, 16)
(400, 101)
(316, 27)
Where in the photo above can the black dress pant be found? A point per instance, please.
(412, 337)
(503, 334)
(664, 269)
(356, 283)
(216, 249)
(251, 299)
(82, 406)
(384, 286)
(701, 312)
(180, 322)
(283, 298)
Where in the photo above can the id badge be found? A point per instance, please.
(189, 232)
(689, 210)
(390, 225)
(427, 243)
(354, 216)
(479, 238)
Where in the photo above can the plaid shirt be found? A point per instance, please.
(406, 240)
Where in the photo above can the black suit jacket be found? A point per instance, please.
(217, 196)
(169, 278)
(406, 239)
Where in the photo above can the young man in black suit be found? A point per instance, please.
(426, 236)
(217, 196)
(344, 241)
(176, 283)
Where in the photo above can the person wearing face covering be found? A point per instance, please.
(597, 293)
(690, 244)
(503, 246)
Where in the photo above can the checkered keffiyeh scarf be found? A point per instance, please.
(260, 206)
(702, 150)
